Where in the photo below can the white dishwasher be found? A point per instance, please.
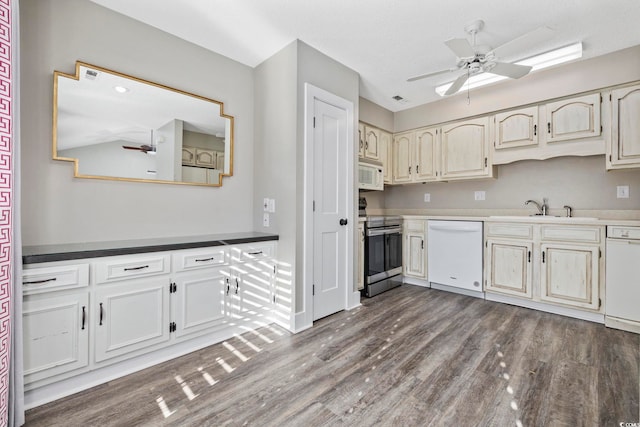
(454, 256)
(622, 299)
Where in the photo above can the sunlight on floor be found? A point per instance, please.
(509, 389)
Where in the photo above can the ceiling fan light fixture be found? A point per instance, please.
(537, 62)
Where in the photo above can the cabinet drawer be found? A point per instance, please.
(513, 230)
(621, 232)
(115, 269)
(46, 279)
(571, 233)
(414, 224)
(252, 251)
(207, 257)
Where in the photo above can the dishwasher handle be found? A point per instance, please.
(455, 229)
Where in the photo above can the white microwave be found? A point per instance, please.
(370, 175)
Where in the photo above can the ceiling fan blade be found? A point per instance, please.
(513, 71)
(437, 73)
(461, 47)
(523, 42)
(457, 84)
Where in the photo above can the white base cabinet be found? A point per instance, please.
(129, 307)
(557, 264)
(415, 255)
(55, 334)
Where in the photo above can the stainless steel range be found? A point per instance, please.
(382, 254)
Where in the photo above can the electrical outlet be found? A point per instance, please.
(265, 219)
(272, 205)
(479, 195)
(265, 204)
(427, 197)
(622, 191)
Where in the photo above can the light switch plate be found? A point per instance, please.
(479, 195)
(427, 197)
(265, 204)
(272, 205)
(622, 191)
(265, 219)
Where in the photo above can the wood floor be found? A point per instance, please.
(409, 357)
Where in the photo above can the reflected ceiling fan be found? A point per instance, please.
(145, 148)
(475, 59)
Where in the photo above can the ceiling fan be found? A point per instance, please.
(144, 148)
(475, 59)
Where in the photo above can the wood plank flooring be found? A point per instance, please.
(409, 357)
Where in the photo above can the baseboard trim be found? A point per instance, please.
(563, 311)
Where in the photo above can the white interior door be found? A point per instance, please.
(330, 225)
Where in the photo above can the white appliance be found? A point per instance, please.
(454, 260)
(370, 175)
(622, 299)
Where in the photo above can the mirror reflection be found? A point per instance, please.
(120, 127)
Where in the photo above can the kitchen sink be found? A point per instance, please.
(551, 218)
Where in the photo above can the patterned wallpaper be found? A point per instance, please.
(6, 197)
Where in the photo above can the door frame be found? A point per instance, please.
(311, 93)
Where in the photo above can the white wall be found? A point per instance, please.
(279, 135)
(57, 208)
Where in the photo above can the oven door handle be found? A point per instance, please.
(381, 232)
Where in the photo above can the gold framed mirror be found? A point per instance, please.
(118, 127)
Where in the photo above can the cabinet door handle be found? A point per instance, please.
(227, 286)
(366, 145)
(548, 127)
(204, 259)
(528, 256)
(409, 170)
(254, 253)
(422, 244)
(35, 282)
(84, 316)
(543, 257)
(417, 169)
(101, 314)
(136, 268)
(535, 130)
(237, 285)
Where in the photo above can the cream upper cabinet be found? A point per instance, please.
(517, 128)
(386, 148)
(361, 137)
(414, 259)
(402, 157)
(372, 143)
(206, 158)
(425, 154)
(624, 150)
(573, 118)
(570, 275)
(508, 268)
(464, 150)
(188, 156)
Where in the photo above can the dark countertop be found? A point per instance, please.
(70, 251)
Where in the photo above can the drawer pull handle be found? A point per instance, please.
(101, 311)
(36, 282)
(205, 259)
(84, 317)
(227, 286)
(528, 256)
(237, 285)
(136, 268)
(543, 257)
(254, 253)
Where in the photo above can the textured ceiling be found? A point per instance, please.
(387, 41)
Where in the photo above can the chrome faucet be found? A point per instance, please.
(568, 210)
(542, 209)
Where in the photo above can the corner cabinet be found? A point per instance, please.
(624, 150)
(98, 314)
(464, 150)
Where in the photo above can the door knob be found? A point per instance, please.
(343, 221)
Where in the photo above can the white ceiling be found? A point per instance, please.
(387, 41)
